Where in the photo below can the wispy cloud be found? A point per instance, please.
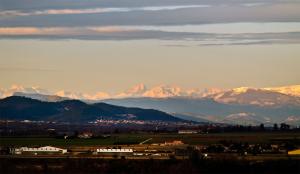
(62, 30)
(226, 28)
(254, 4)
(96, 10)
(206, 34)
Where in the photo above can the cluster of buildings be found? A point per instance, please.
(166, 149)
(56, 150)
(103, 121)
(141, 150)
(108, 152)
(38, 150)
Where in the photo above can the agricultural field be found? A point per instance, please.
(119, 139)
(258, 137)
(43, 141)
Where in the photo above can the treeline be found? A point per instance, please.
(53, 130)
(283, 127)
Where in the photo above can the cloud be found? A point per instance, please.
(218, 28)
(254, 4)
(62, 30)
(205, 34)
(192, 35)
(97, 10)
(112, 29)
(227, 28)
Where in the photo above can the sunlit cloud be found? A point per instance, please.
(62, 30)
(226, 28)
(96, 10)
(33, 31)
(206, 34)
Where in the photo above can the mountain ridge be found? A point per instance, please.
(23, 108)
(238, 105)
(140, 90)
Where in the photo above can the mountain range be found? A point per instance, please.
(74, 111)
(244, 105)
(140, 90)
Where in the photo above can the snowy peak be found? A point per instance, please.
(68, 94)
(41, 97)
(164, 91)
(241, 90)
(289, 95)
(288, 90)
(18, 88)
(82, 96)
(161, 91)
(136, 91)
(211, 92)
(255, 96)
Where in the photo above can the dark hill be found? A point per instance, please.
(22, 108)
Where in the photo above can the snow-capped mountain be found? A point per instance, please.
(242, 95)
(41, 97)
(288, 90)
(43, 94)
(18, 88)
(164, 91)
(160, 91)
(136, 91)
(82, 96)
(244, 105)
(255, 96)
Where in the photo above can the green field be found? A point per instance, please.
(43, 141)
(118, 139)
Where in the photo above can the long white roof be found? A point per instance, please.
(115, 150)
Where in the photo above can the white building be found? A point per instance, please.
(114, 150)
(187, 132)
(35, 150)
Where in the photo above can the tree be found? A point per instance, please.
(262, 127)
(284, 126)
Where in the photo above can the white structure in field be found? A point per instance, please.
(173, 143)
(187, 132)
(114, 150)
(45, 149)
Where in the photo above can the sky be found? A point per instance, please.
(109, 46)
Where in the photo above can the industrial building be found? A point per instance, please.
(114, 152)
(187, 132)
(38, 150)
